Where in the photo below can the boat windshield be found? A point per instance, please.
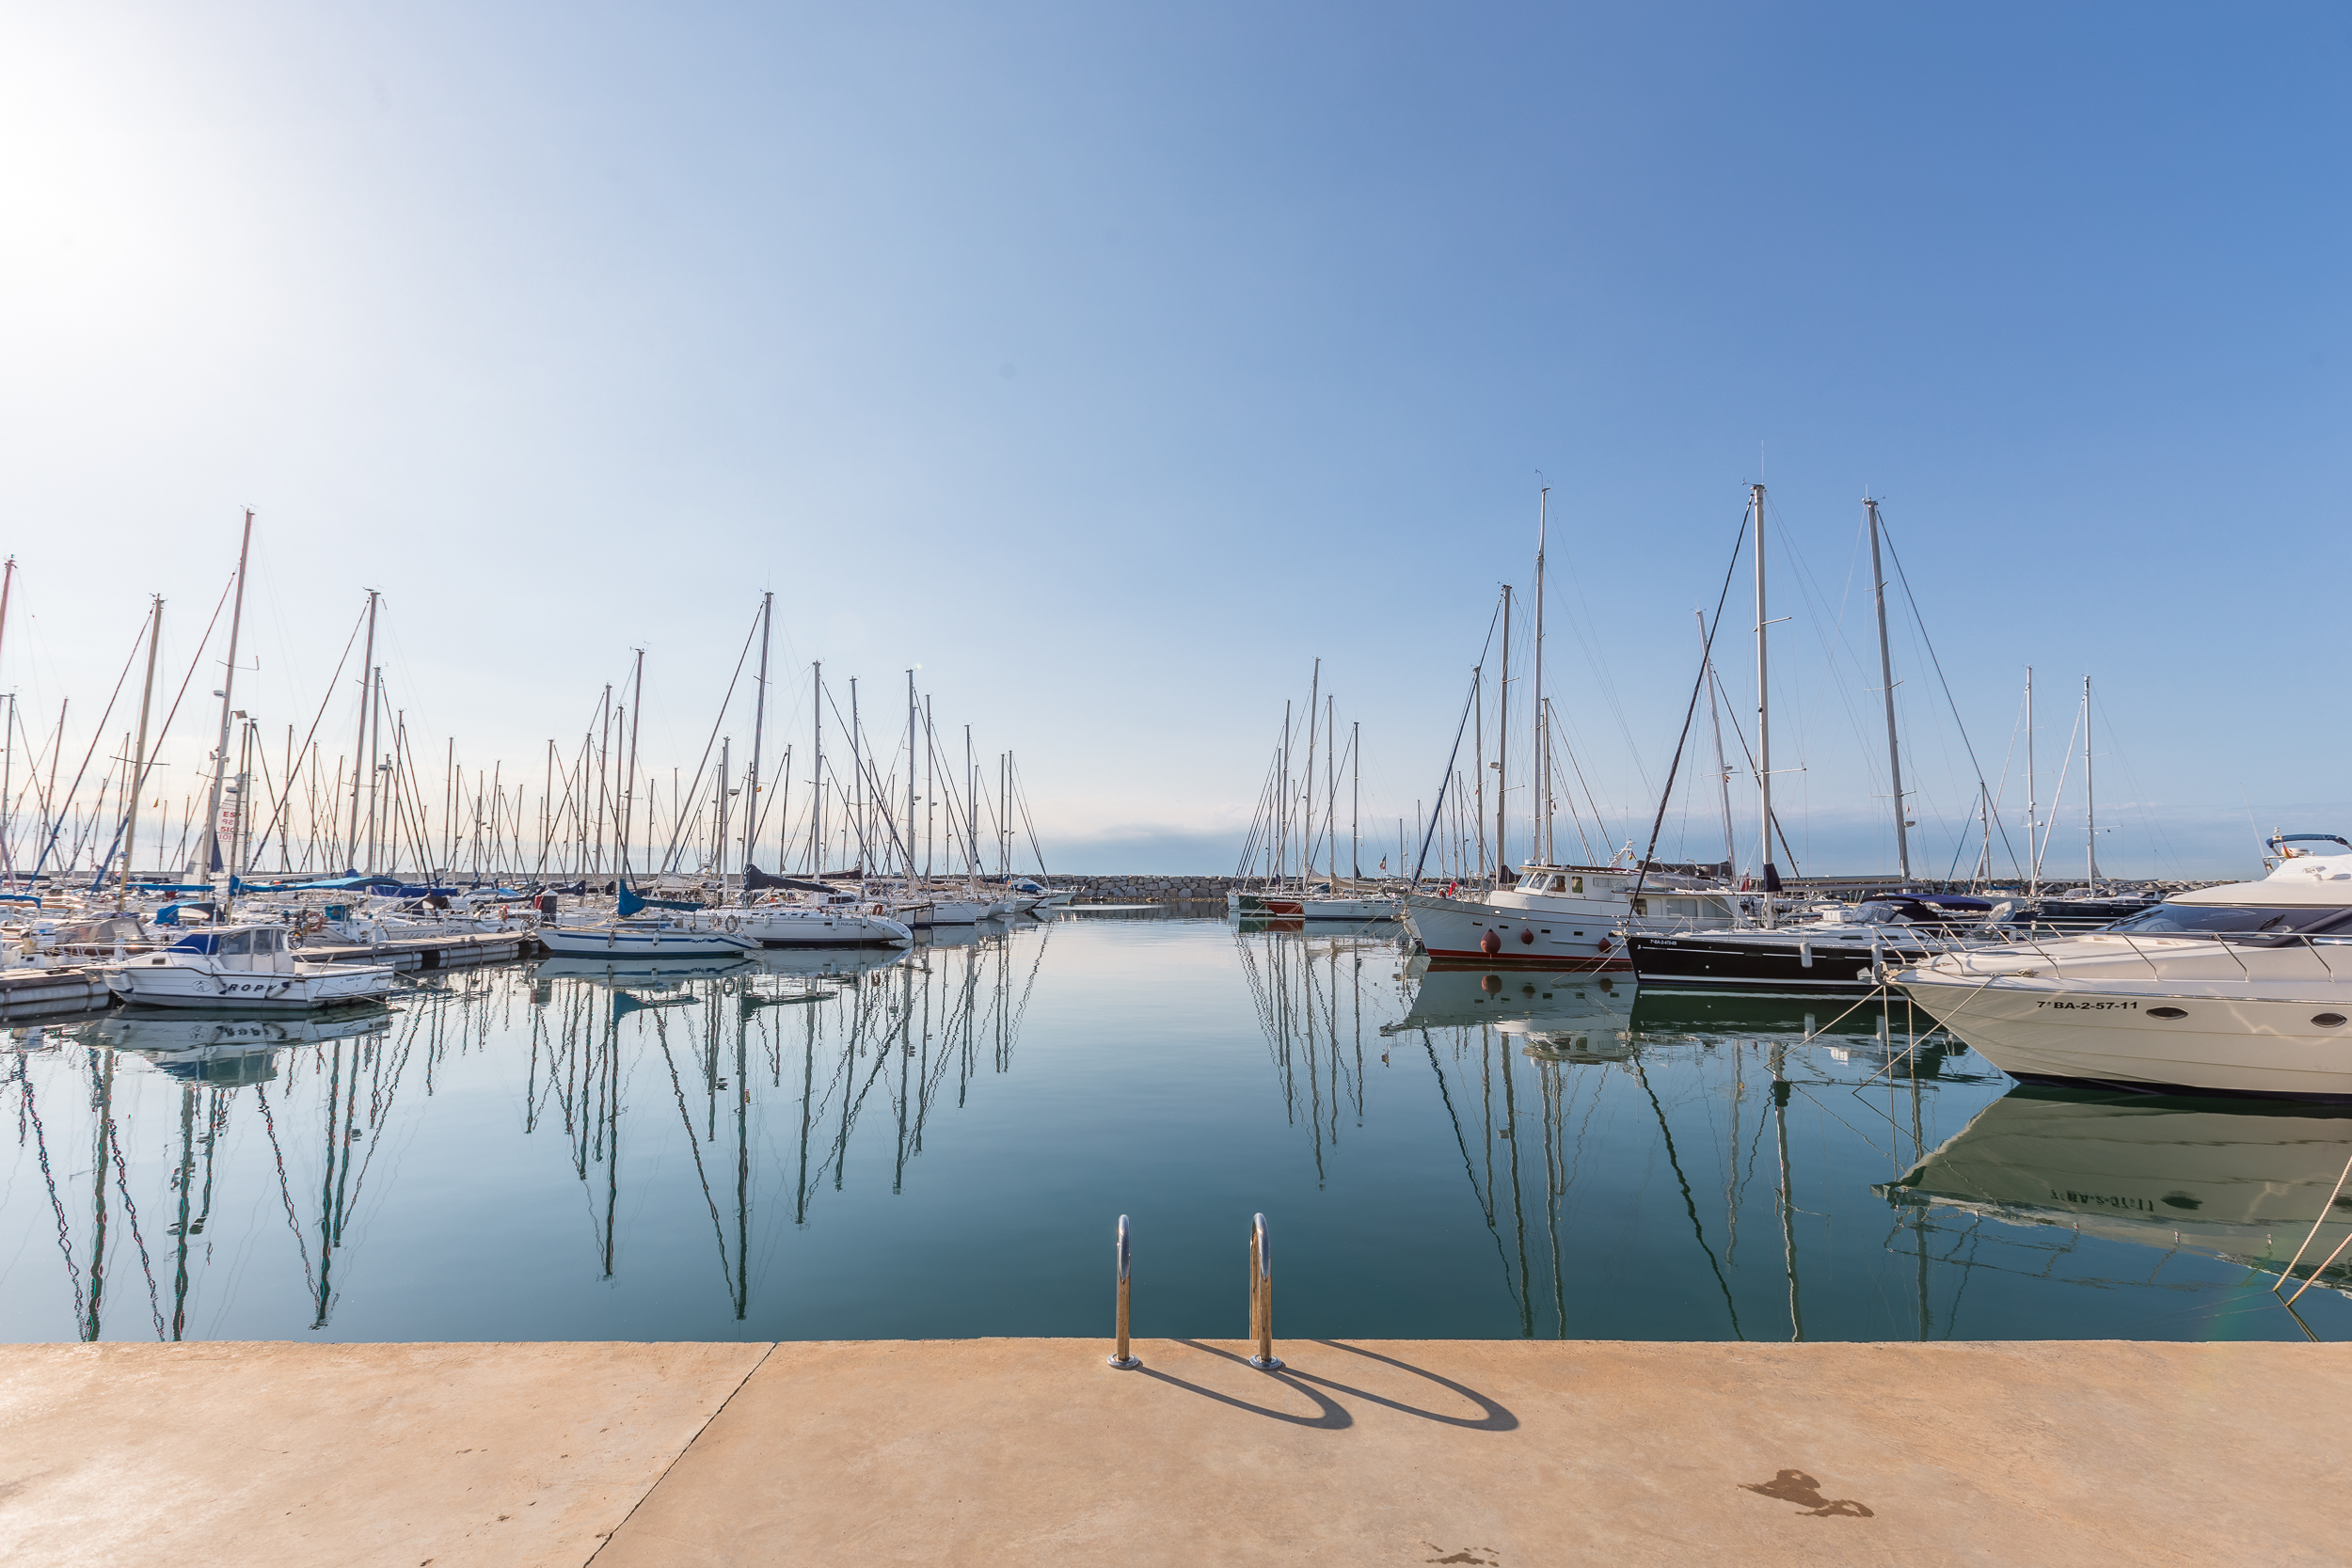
(2232, 920)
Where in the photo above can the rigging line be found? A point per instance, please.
(1920, 620)
(262, 843)
(97, 734)
(694, 790)
(1707, 667)
(1689, 1202)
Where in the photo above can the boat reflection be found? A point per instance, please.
(1309, 993)
(702, 1065)
(2239, 1179)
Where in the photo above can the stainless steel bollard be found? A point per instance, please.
(1261, 1297)
(1123, 1361)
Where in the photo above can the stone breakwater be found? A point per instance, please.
(1145, 890)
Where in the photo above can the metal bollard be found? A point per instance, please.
(1123, 1361)
(1261, 1297)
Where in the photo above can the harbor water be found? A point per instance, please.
(938, 1142)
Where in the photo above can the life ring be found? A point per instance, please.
(731, 919)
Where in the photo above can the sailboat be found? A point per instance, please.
(1549, 912)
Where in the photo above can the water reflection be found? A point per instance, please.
(832, 1044)
(806, 1145)
(2242, 1181)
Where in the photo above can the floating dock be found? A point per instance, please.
(30, 993)
(481, 948)
(1363, 1454)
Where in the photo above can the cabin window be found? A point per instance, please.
(1641, 906)
(1559, 885)
(2231, 920)
(1576, 884)
(236, 942)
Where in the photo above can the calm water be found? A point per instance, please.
(938, 1144)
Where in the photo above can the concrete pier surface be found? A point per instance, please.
(1500, 1455)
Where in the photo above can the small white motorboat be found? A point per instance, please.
(245, 967)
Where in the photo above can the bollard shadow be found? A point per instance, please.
(1493, 1417)
(1329, 1416)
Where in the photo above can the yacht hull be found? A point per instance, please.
(2266, 1046)
(1503, 934)
(611, 942)
(150, 984)
(1730, 961)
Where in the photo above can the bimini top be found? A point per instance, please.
(2302, 879)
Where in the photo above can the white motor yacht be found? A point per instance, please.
(245, 967)
(2244, 988)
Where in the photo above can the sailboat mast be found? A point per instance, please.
(1307, 784)
(910, 843)
(1356, 799)
(1767, 876)
(759, 726)
(228, 697)
(1544, 853)
(2033, 807)
(1502, 741)
(359, 741)
(138, 755)
(2090, 798)
(1887, 681)
(1330, 787)
(817, 776)
(628, 790)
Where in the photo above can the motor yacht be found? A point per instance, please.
(244, 967)
(2242, 989)
(1579, 914)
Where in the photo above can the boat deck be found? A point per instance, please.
(1504, 1454)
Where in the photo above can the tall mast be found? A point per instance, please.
(817, 776)
(1502, 741)
(359, 742)
(857, 771)
(1544, 853)
(1307, 790)
(1767, 874)
(910, 843)
(1478, 770)
(1887, 681)
(628, 790)
(2033, 807)
(759, 723)
(2090, 798)
(139, 753)
(1331, 787)
(376, 769)
(228, 697)
(1715, 718)
(1281, 817)
(1356, 800)
(972, 811)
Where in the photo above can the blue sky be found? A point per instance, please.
(1112, 364)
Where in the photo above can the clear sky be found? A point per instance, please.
(1111, 364)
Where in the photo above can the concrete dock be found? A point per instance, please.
(1496, 1454)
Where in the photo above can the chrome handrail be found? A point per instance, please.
(1261, 1297)
(1120, 1358)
